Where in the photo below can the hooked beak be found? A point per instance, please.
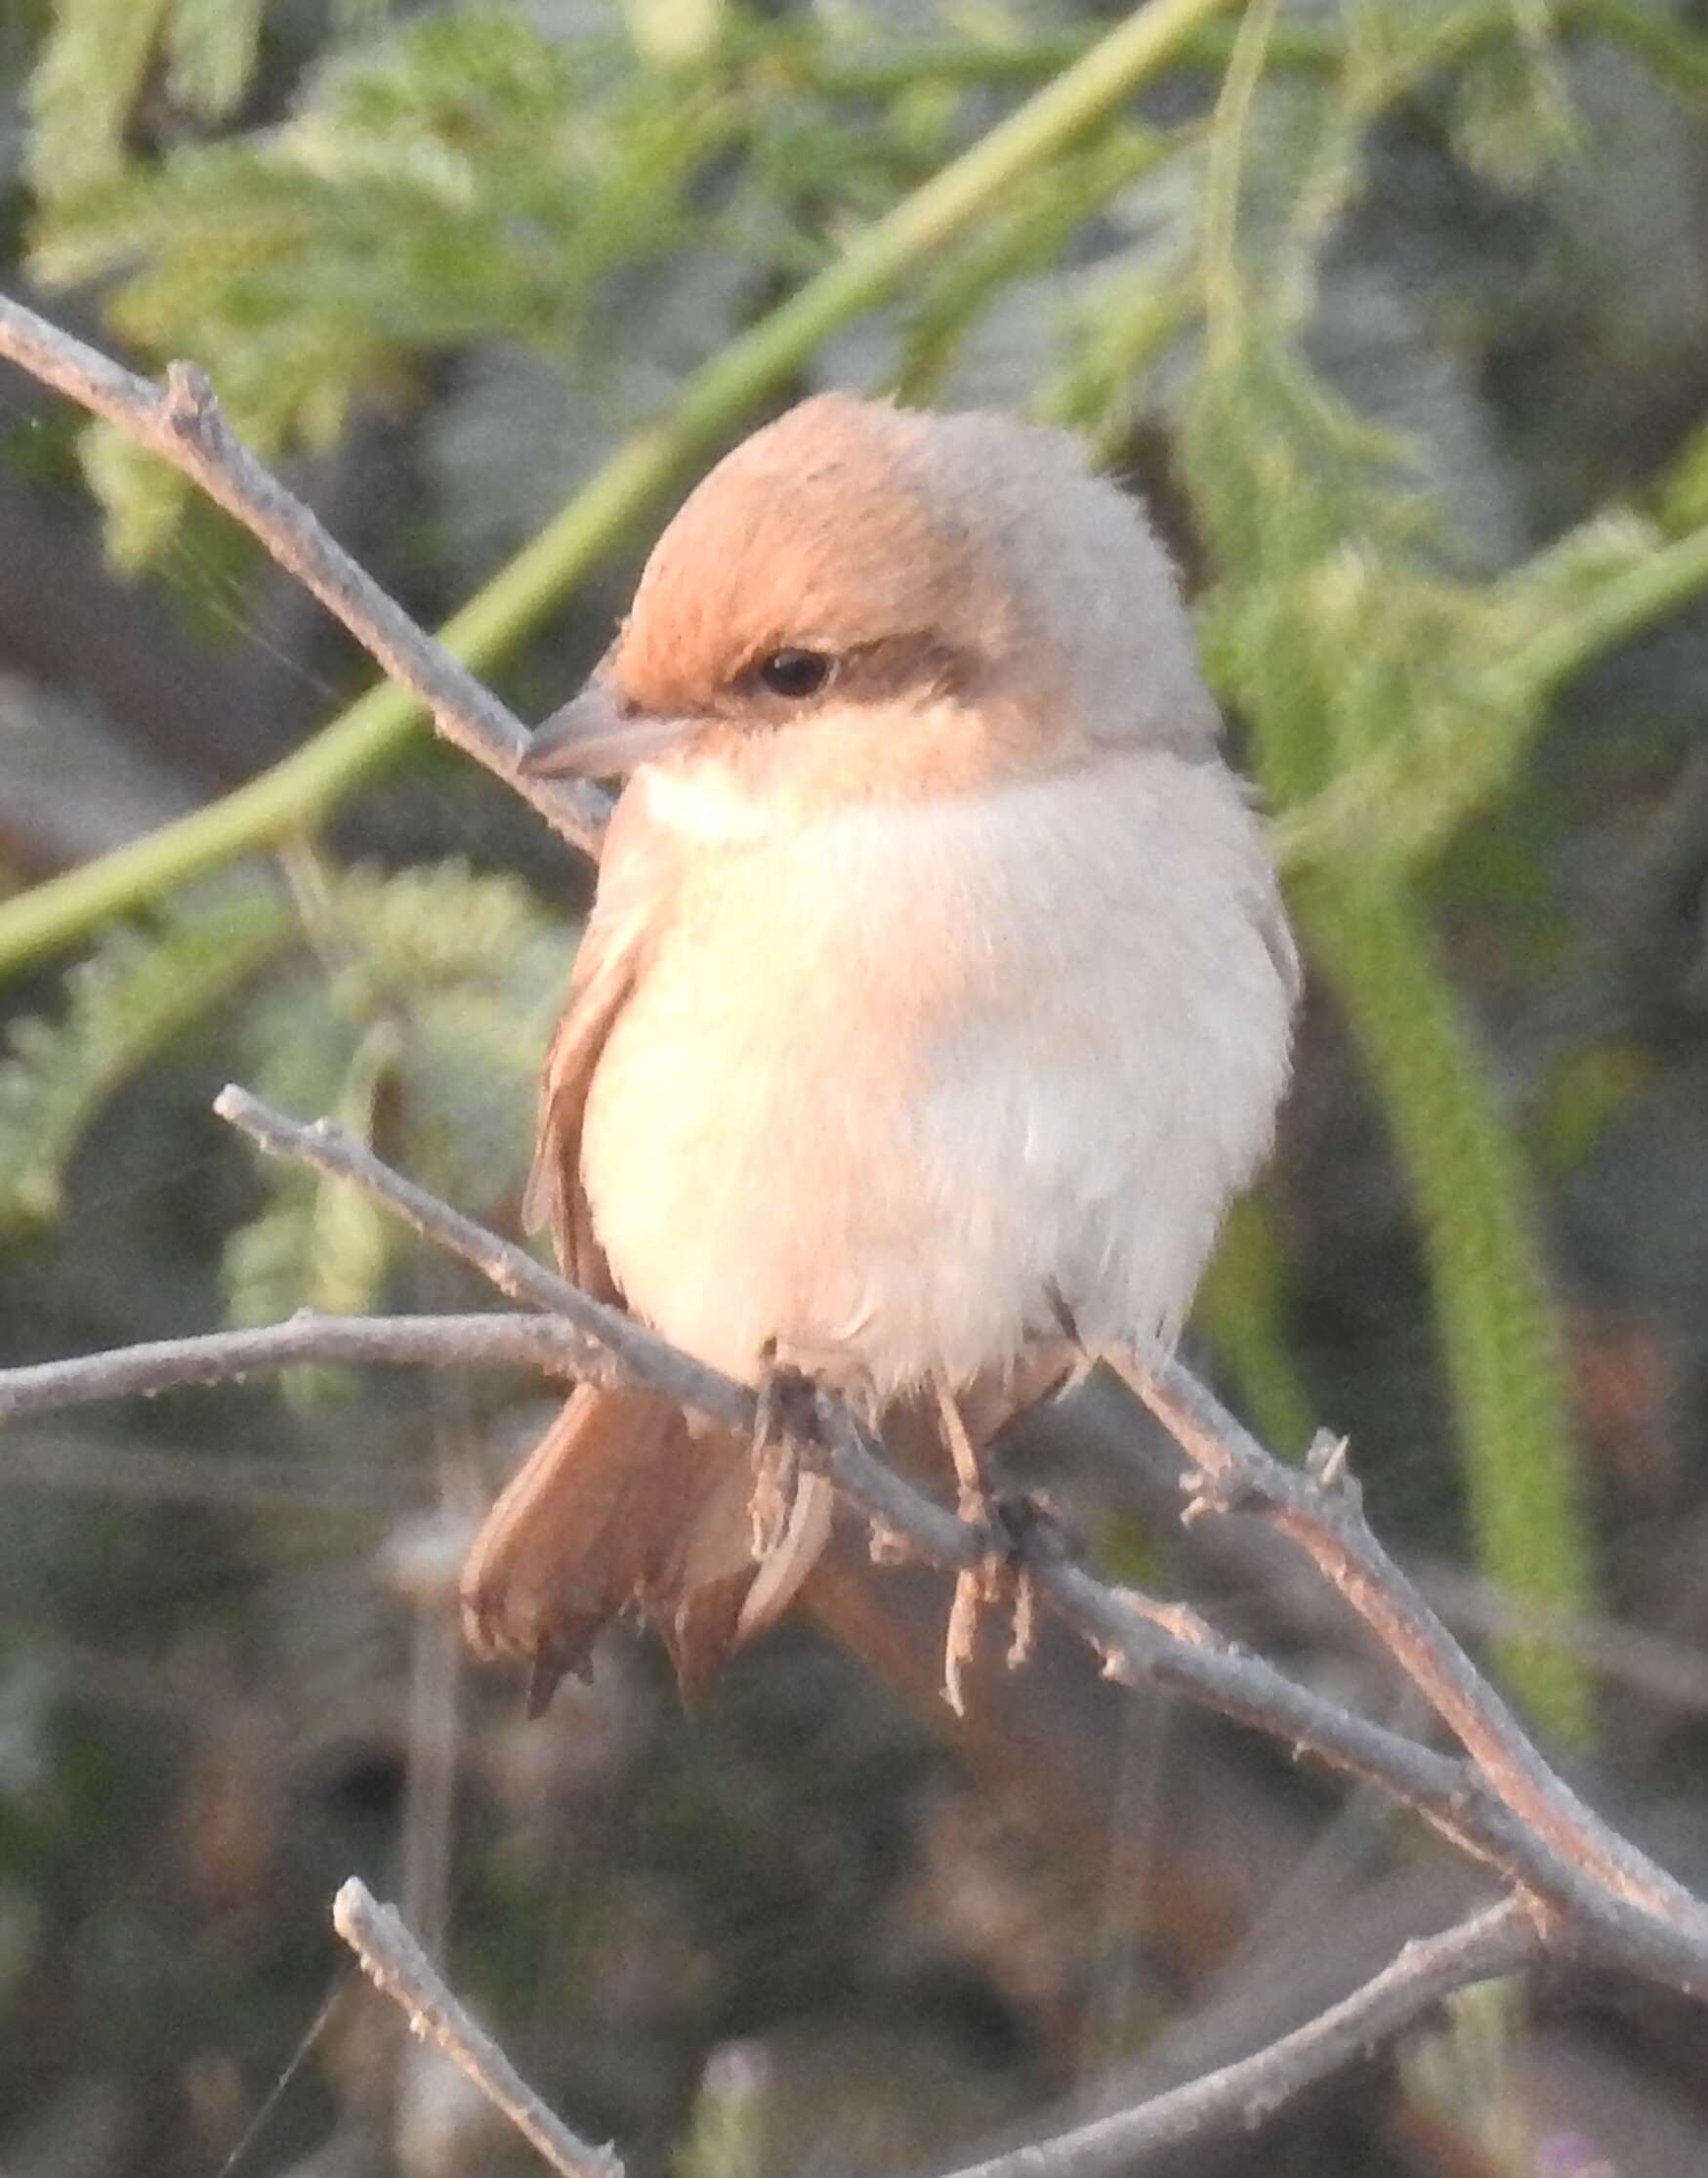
(589, 737)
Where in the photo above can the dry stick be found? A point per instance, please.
(488, 1340)
(1318, 1510)
(394, 1962)
(641, 1354)
(1497, 1941)
(1563, 1900)
(183, 425)
(1660, 1940)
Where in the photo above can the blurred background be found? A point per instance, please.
(1397, 310)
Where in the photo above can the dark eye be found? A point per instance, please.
(794, 674)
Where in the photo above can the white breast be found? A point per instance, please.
(889, 1081)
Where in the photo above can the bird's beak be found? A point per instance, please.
(591, 739)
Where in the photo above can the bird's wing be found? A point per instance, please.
(622, 1504)
(602, 978)
(636, 885)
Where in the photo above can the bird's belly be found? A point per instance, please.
(896, 1176)
(871, 1235)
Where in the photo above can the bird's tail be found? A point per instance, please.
(624, 1505)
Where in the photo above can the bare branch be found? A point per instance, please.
(1497, 1941)
(394, 1962)
(645, 1357)
(1136, 1641)
(183, 425)
(483, 1341)
(1318, 1510)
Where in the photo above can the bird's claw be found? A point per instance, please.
(785, 1411)
(1011, 1525)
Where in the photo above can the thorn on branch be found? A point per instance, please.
(1327, 1463)
(190, 407)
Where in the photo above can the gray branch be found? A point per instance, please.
(1318, 1509)
(394, 1962)
(182, 423)
(544, 1343)
(1497, 1941)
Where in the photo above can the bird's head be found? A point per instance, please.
(861, 601)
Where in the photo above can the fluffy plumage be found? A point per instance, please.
(912, 1011)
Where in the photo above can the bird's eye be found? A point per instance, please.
(794, 674)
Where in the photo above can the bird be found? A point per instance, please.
(936, 1000)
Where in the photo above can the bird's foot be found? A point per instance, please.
(1017, 1527)
(1001, 1579)
(785, 1411)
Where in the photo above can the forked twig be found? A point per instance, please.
(394, 1962)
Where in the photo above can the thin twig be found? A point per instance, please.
(182, 423)
(592, 1340)
(1658, 1667)
(647, 1359)
(394, 1962)
(1134, 1643)
(1497, 1941)
(1318, 1510)
(1606, 1899)
(484, 1341)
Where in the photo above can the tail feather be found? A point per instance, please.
(623, 1506)
(620, 1506)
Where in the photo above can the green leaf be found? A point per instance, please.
(418, 1015)
(124, 1005)
(462, 177)
(96, 62)
(1476, 1203)
(92, 69)
(211, 50)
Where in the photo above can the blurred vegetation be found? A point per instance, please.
(1398, 312)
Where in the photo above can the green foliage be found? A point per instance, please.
(415, 1013)
(1475, 1197)
(320, 1244)
(417, 1017)
(124, 1007)
(1026, 235)
(1383, 711)
(1243, 1307)
(90, 76)
(1464, 2075)
(462, 177)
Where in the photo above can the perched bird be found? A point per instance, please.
(936, 998)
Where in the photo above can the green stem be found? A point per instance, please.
(1674, 56)
(1017, 61)
(373, 732)
(1620, 607)
(1481, 1228)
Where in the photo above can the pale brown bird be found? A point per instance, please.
(936, 998)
